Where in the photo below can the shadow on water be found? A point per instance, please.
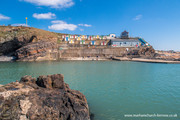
(92, 116)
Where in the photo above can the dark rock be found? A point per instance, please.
(44, 81)
(58, 81)
(52, 99)
(53, 81)
(28, 79)
(12, 45)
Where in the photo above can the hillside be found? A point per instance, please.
(8, 33)
(13, 38)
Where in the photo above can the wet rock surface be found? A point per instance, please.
(44, 98)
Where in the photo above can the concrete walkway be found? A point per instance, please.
(145, 60)
(84, 59)
(155, 61)
(6, 58)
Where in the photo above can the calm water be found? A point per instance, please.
(112, 88)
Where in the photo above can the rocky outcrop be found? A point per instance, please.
(44, 98)
(147, 51)
(13, 38)
(37, 51)
(142, 52)
(11, 45)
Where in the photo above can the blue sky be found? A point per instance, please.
(157, 21)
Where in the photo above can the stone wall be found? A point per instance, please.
(92, 52)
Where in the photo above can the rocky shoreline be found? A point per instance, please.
(46, 97)
(145, 60)
(31, 44)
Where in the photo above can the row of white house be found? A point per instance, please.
(93, 42)
(88, 37)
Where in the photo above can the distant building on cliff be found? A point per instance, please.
(125, 41)
(133, 42)
(105, 40)
(125, 35)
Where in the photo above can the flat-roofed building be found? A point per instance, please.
(125, 42)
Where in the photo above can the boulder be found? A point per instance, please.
(44, 98)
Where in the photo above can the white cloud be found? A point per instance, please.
(85, 25)
(81, 29)
(52, 3)
(3, 17)
(138, 17)
(62, 25)
(20, 25)
(48, 15)
(58, 22)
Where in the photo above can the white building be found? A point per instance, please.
(111, 36)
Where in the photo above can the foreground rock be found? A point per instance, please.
(44, 98)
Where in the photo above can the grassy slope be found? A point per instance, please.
(7, 33)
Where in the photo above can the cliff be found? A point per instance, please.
(32, 44)
(37, 51)
(13, 38)
(46, 97)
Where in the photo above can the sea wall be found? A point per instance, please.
(48, 51)
(92, 52)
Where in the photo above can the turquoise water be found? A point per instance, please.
(112, 88)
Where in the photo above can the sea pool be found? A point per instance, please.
(113, 89)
